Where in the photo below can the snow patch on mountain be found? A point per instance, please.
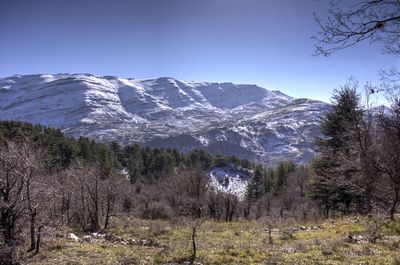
(248, 121)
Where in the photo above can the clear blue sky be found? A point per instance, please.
(264, 42)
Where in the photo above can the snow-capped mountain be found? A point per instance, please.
(223, 118)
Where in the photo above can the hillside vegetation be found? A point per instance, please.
(55, 187)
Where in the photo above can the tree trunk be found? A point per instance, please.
(269, 234)
(227, 209)
(347, 203)
(33, 236)
(327, 211)
(193, 258)
(108, 212)
(281, 212)
(231, 215)
(96, 223)
(7, 254)
(268, 208)
(38, 240)
(246, 211)
(368, 199)
(394, 205)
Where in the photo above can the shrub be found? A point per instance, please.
(160, 210)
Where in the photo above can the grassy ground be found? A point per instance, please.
(339, 241)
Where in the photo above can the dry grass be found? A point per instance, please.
(241, 242)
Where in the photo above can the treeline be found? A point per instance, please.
(142, 163)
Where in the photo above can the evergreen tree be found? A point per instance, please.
(105, 159)
(193, 158)
(84, 149)
(332, 181)
(268, 180)
(280, 176)
(135, 167)
(255, 188)
(177, 156)
(116, 148)
(161, 163)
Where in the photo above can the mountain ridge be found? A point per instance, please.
(223, 118)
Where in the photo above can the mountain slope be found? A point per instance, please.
(224, 118)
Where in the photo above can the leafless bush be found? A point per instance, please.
(159, 210)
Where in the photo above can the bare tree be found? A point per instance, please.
(215, 204)
(63, 192)
(190, 186)
(111, 188)
(349, 23)
(12, 200)
(95, 197)
(298, 179)
(195, 225)
(366, 145)
(389, 153)
(35, 190)
(286, 201)
(46, 196)
(21, 193)
(230, 204)
(298, 184)
(267, 202)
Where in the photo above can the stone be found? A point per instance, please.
(73, 237)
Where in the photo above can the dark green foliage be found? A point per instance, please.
(105, 158)
(265, 180)
(337, 124)
(223, 161)
(280, 176)
(268, 180)
(146, 158)
(161, 163)
(60, 150)
(321, 188)
(255, 188)
(332, 177)
(134, 164)
(116, 149)
(85, 149)
(200, 157)
(144, 163)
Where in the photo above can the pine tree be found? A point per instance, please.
(268, 180)
(105, 159)
(135, 167)
(255, 188)
(332, 181)
(280, 176)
